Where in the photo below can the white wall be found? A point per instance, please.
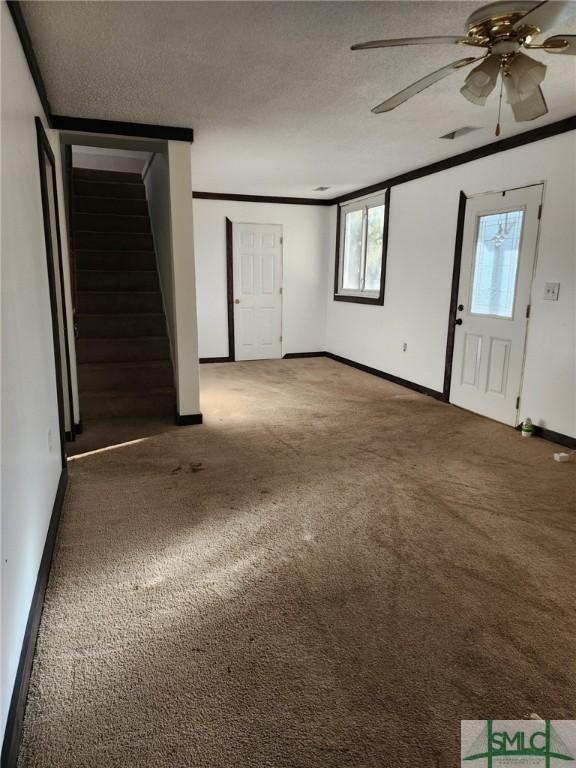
(168, 184)
(58, 159)
(30, 467)
(306, 231)
(183, 258)
(419, 274)
(102, 159)
(157, 183)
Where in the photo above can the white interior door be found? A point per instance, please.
(257, 271)
(498, 254)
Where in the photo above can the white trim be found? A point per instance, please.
(362, 204)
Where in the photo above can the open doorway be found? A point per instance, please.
(123, 352)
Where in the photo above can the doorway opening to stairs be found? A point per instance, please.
(124, 364)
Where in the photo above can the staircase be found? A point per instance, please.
(122, 349)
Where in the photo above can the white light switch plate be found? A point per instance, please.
(551, 291)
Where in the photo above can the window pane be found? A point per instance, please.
(352, 251)
(496, 263)
(374, 237)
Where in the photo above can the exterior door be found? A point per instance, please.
(257, 271)
(498, 254)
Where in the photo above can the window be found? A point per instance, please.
(496, 264)
(361, 255)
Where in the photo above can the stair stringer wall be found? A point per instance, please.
(157, 184)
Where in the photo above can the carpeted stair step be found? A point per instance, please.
(86, 204)
(96, 350)
(118, 241)
(111, 189)
(121, 326)
(160, 401)
(110, 222)
(96, 377)
(117, 280)
(118, 302)
(94, 174)
(108, 260)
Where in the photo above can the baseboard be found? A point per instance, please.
(215, 360)
(295, 355)
(553, 437)
(361, 367)
(546, 434)
(388, 376)
(13, 732)
(288, 356)
(187, 420)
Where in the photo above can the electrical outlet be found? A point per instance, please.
(551, 291)
(404, 347)
(50, 441)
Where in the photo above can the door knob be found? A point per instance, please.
(458, 322)
(236, 301)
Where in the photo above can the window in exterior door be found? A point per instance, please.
(496, 263)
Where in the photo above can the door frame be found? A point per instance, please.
(45, 151)
(459, 242)
(454, 295)
(231, 357)
(230, 291)
(68, 184)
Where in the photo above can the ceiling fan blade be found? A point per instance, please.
(420, 85)
(565, 44)
(531, 108)
(443, 40)
(548, 14)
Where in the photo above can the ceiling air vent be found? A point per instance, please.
(460, 132)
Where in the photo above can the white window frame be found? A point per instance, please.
(360, 205)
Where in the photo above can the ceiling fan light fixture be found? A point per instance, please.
(523, 78)
(503, 27)
(480, 81)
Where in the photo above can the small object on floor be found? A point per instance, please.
(562, 457)
(527, 428)
(193, 466)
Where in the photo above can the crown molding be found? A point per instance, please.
(15, 8)
(503, 145)
(119, 128)
(261, 198)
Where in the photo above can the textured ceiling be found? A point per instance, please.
(278, 102)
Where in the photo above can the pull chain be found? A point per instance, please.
(497, 133)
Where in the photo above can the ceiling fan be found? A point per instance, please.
(503, 28)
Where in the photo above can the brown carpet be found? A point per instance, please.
(105, 433)
(332, 571)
